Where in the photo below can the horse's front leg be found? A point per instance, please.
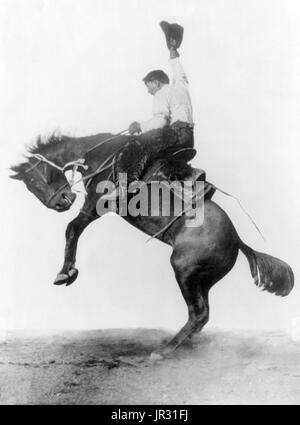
(69, 273)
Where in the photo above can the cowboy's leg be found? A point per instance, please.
(145, 148)
(182, 134)
(139, 151)
(162, 145)
(157, 142)
(131, 159)
(153, 144)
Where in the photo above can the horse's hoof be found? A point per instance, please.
(60, 279)
(73, 273)
(155, 357)
(161, 353)
(66, 278)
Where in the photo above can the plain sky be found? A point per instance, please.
(76, 66)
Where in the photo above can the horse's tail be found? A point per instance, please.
(269, 273)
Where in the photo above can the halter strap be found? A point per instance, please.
(41, 158)
(77, 163)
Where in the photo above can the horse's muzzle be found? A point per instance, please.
(63, 201)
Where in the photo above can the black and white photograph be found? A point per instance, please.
(150, 204)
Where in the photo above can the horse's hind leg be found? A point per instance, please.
(194, 286)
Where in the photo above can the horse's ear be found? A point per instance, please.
(17, 170)
(15, 176)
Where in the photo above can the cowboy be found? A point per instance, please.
(171, 125)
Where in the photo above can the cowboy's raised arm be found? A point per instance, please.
(178, 74)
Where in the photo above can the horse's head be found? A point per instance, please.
(46, 182)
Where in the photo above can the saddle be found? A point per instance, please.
(175, 167)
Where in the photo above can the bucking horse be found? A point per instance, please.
(201, 256)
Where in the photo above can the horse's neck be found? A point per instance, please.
(72, 149)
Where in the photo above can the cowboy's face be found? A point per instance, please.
(153, 86)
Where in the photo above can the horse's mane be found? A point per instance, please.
(39, 146)
(42, 143)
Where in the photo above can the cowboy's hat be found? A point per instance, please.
(173, 33)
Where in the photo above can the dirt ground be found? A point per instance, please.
(112, 367)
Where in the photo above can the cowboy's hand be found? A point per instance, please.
(135, 127)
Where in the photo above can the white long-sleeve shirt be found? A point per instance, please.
(172, 102)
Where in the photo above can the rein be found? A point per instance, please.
(121, 133)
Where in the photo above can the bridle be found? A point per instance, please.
(73, 164)
(106, 164)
